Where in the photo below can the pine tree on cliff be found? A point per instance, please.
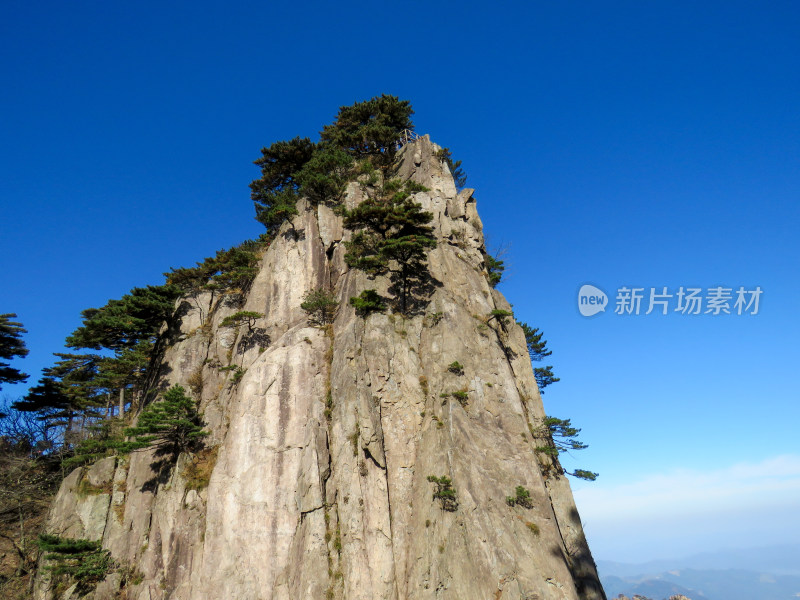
(538, 350)
(320, 171)
(171, 425)
(129, 327)
(231, 270)
(393, 236)
(459, 177)
(67, 395)
(11, 345)
(123, 323)
(370, 128)
(561, 437)
(275, 193)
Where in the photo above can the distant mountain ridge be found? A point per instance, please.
(769, 573)
(778, 560)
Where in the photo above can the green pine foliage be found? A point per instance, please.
(275, 210)
(456, 368)
(393, 235)
(48, 399)
(521, 497)
(11, 345)
(544, 377)
(560, 437)
(229, 271)
(298, 168)
(368, 302)
(501, 315)
(105, 439)
(275, 193)
(171, 425)
(323, 178)
(241, 317)
(236, 267)
(280, 164)
(564, 436)
(123, 323)
(495, 267)
(584, 474)
(69, 389)
(321, 305)
(537, 347)
(370, 128)
(86, 562)
(538, 350)
(127, 368)
(444, 492)
(78, 375)
(320, 171)
(459, 177)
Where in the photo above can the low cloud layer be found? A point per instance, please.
(687, 511)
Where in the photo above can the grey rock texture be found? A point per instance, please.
(313, 498)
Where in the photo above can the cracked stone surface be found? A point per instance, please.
(304, 504)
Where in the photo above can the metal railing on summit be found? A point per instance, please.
(406, 137)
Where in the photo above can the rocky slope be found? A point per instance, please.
(325, 438)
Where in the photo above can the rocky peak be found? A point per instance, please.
(331, 448)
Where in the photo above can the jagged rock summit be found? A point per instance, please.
(324, 440)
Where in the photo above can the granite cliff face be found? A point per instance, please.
(325, 438)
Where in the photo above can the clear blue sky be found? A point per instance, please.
(642, 144)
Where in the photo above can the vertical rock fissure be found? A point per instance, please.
(329, 335)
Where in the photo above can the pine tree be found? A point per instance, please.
(171, 425)
(320, 305)
(409, 253)
(561, 436)
(274, 210)
(319, 172)
(228, 270)
(11, 345)
(459, 177)
(394, 236)
(323, 178)
(280, 164)
(242, 317)
(68, 395)
(275, 194)
(537, 350)
(369, 301)
(125, 370)
(122, 323)
(48, 399)
(495, 268)
(370, 128)
(235, 269)
(445, 492)
(83, 560)
(544, 377)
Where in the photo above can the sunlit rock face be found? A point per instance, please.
(326, 439)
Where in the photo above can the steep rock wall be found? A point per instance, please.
(326, 440)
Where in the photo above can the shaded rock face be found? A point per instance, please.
(326, 441)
